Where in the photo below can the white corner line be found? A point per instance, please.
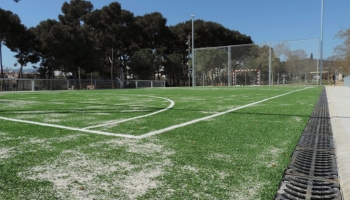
(209, 117)
(172, 103)
(69, 128)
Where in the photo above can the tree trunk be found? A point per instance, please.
(112, 75)
(112, 60)
(2, 71)
(20, 72)
(79, 75)
(158, 73)
(19, 76)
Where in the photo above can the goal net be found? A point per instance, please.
(274, 63)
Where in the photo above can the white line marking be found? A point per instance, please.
(172, 103)
(150, 133)
(211, 116)
(68, 128)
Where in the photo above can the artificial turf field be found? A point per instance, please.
(159, 143)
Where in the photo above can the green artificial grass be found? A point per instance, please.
(238, 155)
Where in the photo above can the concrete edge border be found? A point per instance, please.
(342, 149)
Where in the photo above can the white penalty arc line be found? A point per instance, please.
(211, 116)
(172, 103)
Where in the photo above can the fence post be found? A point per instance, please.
(270, 64)
(136, 84)
(151, 84)
(67, 85)
(32, 85)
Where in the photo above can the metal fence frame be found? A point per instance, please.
(8, 84)
(299, 77)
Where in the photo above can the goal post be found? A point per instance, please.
(287, 62)
(253, 77)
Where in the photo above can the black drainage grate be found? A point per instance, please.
(308, 188)
(313, 164)
(321, 142)
(312, 173)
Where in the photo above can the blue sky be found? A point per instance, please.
(263, 20)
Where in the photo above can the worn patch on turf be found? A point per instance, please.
(5, 152)
(80, 174)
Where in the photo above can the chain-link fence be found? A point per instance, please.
(278, 63)
(74, 84)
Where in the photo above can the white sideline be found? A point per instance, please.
(150, 133)
(172, 103)
(211, 116)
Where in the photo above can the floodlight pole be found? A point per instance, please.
(188, 64)
(229, 68)
(321, 47)
(270, 65)
(193, 68)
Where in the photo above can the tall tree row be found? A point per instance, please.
(115, 34)
(110, 41)
(74, 47)
(9, 29)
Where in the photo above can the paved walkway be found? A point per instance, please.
(339, 111)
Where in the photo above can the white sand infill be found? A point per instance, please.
(79, 175)
(269, 157)
(190, 168)
(221, 157)
(137, 184)
(89, 107)
(50, 120)
(248, 189)
(5, 153)
(3, 134)
(297, 119)
(19, 104)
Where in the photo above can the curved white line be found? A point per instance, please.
(211, 116)
(172, 103)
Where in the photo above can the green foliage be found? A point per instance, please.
(25, 45)
(83, 39)
(47, 48)
(8, 30)
(208, 34)
(114, 32)
(141, 64)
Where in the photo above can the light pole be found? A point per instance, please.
(193, 68)
(321, 50)
(188, 57)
